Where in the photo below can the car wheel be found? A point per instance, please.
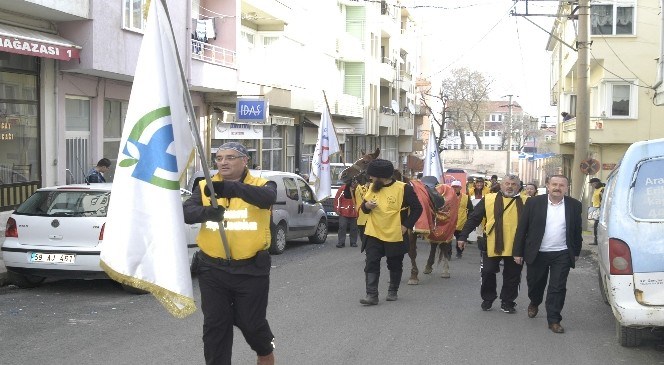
(628, 336)
(278, 244)
(132, 290)
(320, 235)
(24, 280)
(602, 290)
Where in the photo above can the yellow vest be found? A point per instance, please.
(597, 197)
(362, 217)
(384, 221)
(247, 226)
(510, 220)
(463, 212)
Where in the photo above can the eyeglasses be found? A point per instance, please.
(227, 158)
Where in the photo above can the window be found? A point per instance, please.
(612, 19)
(248, 38)
(115, 112)
(132, 16)
(646, 191)
(621, 100)
(572, 105)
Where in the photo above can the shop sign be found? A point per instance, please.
(608, 166)
(238, 131)
(38, 49)
(252, 111)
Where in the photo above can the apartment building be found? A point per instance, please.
(625, 38)
(67, 71)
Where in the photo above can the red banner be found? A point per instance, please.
(38, 49)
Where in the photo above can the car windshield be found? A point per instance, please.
(66, 203)
(648, 193)
(335, 172)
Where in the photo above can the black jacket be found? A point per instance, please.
(530, 230)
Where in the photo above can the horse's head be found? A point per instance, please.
(359, 166)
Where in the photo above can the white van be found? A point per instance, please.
(631, 241)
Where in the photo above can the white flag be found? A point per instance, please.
(432, 164)
(326, 146)
(145, 243)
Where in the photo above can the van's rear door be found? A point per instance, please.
(647, 246)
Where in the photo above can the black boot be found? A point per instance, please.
(372, 288)
(395, 280)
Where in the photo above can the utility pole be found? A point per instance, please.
(582, 143)
(508, 164)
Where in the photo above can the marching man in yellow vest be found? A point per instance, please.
(392, 208)
(234, 290)
(501, 211)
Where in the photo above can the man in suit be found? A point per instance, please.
(548, 238)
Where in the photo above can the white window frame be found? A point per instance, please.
(608, 99)
(616, 4)
(128, 23)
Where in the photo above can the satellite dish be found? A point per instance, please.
(395, 106)
(411, 108)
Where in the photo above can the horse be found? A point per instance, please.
(360, 166)
(436, 224)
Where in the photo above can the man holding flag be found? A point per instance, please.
(234, 290)
(326, 146)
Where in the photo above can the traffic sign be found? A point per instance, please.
(590, 166)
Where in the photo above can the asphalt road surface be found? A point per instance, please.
(315, 314)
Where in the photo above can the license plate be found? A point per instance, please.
(333, 214)
(54, 258)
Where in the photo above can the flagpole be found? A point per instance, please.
(196, 133)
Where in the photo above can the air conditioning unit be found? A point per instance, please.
(229, 117)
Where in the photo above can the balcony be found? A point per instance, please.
(213, 54)
(406, 123)
(350, 48)
(405, 81)
(56, 11)
(386, 69)
(215, 68)
(267, 12)
(350, 106)
(568, 131)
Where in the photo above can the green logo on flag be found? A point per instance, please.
(153, 155)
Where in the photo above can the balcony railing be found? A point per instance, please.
(213, 54)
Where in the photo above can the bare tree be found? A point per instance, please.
(461, 105)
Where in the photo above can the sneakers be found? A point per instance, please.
(458, 255)
(487, 304)
(353, 245)
(340, 245)
(508, 307)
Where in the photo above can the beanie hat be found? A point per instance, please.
(456, 183)
(594, 180)
(430, 181)
(380, 168)
(235, 146)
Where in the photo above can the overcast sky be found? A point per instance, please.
(483, 36)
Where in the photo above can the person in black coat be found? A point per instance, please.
(548, 239)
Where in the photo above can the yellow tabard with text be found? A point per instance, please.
(384, 221)
(510, 220)
(247, 226)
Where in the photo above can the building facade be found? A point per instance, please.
(625, 38)
(67, 71)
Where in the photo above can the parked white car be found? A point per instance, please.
(631, 241)
(56, 233)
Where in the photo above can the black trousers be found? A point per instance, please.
(511, 278)
(229, 299)
(595, 230)
(350, 224)
(456, 236)
(375, 251)
(556, 266)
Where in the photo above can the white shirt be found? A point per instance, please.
(555, 236)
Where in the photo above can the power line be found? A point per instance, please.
(478, 42)
(618, 76)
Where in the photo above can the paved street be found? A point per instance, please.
(315, 314)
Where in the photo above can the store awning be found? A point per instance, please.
(34, 43)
